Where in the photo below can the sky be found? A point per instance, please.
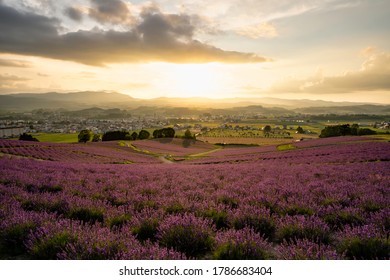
(337, 50)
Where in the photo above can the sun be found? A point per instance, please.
(196, 80)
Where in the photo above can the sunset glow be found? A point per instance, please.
(194, 80)
(245, 49)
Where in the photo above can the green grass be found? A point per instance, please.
(286, 147)
(385, 137)
(57, 137)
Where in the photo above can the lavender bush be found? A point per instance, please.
(364, 243)
(244, 244)
(303, 249)
(187, 233)
(325, 196)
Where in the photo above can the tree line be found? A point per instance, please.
(344, 130)
(168, 132)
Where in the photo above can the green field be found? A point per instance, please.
(285, 147)
(385, 137)
(57, 137)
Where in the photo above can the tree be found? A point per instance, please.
(143, 134)
(345, 129)
(157, 133)
(366, 131)
(336, 130)
(188, 134)
(266, 130)
(168, 132)
(134, 135)
(96, 138)
(114, 135)
(354, 129)
(27, 137)
(300, 130)
(85, 135)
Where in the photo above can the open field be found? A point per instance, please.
(261, 141)
(91, 153)
(57, 137)
(385, 137)
(316, 199)
(174, 147)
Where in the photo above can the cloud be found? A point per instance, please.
(245, 17)
(74, 13)
(11, 78)
(256, 31)
(11, 83)
(113, 11)
(374, 75)
(24, 30)
(14, 63)
(157, 37)
(157, 28)
(87, 75)
(45, 7)
(135, 86)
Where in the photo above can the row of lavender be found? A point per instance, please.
(275, 209)
(173, 146)
(81, 153)
(332, 153)
(308, 143)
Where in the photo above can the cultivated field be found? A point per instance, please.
(315, 199)
(174, 147)
(262, 141)
(57, 137)
(91, 153)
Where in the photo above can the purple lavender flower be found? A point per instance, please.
(243, 244)
(187, 233)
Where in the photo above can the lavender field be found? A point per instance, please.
(173, 146)
(322, 199)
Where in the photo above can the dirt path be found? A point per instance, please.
(165, 160)
(205, 153)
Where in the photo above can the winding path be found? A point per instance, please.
(165, 160)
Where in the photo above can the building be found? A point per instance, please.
(8, 132)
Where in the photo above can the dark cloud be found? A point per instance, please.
(14, 63)
(157, 28)
(74, 13)
(21, 32)
(113, 11)
(157, 37)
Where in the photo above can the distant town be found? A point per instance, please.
(100, 121)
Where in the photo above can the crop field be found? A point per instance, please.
(93, 153)
(173, 146)
(229, 133)
(57, 137)
(262, 141)
(315, 199)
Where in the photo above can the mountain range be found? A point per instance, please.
(24, 102)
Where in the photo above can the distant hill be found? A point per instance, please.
(98, 100)
(73, 101)
(358, 109)
(304, 103)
